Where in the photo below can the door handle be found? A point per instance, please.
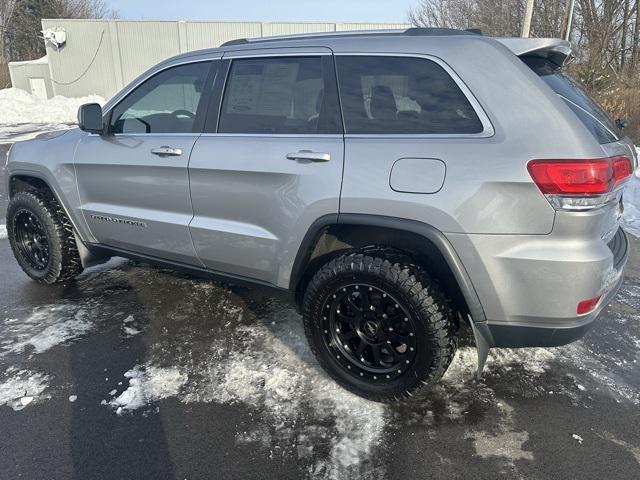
(309, 155)
(167, 152)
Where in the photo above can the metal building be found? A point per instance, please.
(101, 56)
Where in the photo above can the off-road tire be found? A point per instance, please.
(393, 272)
(63, 259)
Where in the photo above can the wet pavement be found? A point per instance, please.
(139, 372)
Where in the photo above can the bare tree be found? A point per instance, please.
(20, 25)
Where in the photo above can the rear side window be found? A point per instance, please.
(284, 95)
(402, 95)
(166, 103)
(586, 108)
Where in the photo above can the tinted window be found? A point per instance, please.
(402, 95)
(590, 113)
(166, 103)
(277, 96)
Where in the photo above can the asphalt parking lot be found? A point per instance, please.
(136, 372)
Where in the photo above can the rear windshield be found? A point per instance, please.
(586, 109)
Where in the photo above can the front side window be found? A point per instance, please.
(166, 103)
(402, 95)
(284, 95)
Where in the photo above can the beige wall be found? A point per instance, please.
(102, 56)
(21, 72)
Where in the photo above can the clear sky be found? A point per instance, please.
(265, 10)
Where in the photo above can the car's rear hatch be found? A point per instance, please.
(547, 57)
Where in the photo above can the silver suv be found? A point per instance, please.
(397, 183)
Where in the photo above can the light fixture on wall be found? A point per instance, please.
(55, 37)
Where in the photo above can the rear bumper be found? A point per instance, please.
(532, 287)
(515, 336)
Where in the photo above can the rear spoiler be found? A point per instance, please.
(552, 49)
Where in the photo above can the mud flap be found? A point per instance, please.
(87, 258)
(484, 341)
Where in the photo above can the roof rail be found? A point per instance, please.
(409, 32)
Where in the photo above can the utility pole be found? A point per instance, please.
(567, 33)
(528, 13)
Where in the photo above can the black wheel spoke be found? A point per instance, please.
(366, 300)
(352, 304)
(369, 331)
(350, 335)
(376, 354)
(342, 318)
(31, 239)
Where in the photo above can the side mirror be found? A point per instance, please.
(90, 118)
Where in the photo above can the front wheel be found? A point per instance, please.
(41, 238)
(379, 325)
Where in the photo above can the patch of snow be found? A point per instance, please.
(45, 328)
(20, 388)
(631, 199)
(578, 438)
(129, 328)
(148, 384)
(3, 232)
(273, 371)
(131, 331)
(506, 442)
(20, 107)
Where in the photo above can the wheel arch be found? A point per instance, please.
(333, 235)
(28, 181)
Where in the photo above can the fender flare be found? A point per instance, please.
(430, 233)
(86, 257)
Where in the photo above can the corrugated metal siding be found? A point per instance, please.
(213, 34)
(288, 28)
(143, 44)
(340, 27)
(86, 65)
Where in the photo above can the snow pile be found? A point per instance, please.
(148, 384)
(3, 232)
(45, 328)
(22, 387)
(19, 107)
(273, 370)
(631, 217)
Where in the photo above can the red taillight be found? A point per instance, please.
(579, 177)
(622, 169)
(587, 306)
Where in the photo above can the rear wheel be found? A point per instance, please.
(379, 325)
(41, 238)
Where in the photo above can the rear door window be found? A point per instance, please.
(284, 95)
(402, 95)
